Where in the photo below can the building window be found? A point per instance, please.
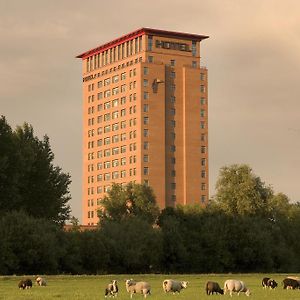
(115, 175)
(146, 171)
(150, 42)
(123, 76)
(115, 78)
(202, 113)
(146, 132)
(203, 198)
(150, 59)
(203, 162)
(173, 123)
(106, 81)
(194, 48)
(107, 93)
(115, 102)
(115, 150)
(123, 149)
(123, 124)
(202, 88)
(203, 149)
(123, 173)
(146, 95)
(106, 105)
(123, 88)
(146, 82)
(146, 70)
(146, 108)
(146, 145)
(202, 76)
(146, 158)
(146, 120)
(203, 186)
(173, 186)
(173, 148)
(202, 101)
(115, 91)
(173, 62)
(123, 161)
(203, 137)
(99, 96)
(203, 174)
(123, 136)
(172, 74)
(123, 112)
(202, 125)
(194, 64)
(123, 100)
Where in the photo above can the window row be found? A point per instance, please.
(91, 86)
(114, 54)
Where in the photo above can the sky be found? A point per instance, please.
(252, 56)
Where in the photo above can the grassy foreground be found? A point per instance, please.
(92, 287)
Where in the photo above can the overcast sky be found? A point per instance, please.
(252, 55)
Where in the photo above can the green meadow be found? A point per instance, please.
(92, 287)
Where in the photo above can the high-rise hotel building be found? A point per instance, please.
(145, 118)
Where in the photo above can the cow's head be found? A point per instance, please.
(184, 284)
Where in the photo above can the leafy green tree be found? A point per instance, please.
(131, 200)
(28, 179)
(134, 246)
(28, 245)
(240, 191)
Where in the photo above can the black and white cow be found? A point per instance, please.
(268, 283)
(25, 284)
(112, 289)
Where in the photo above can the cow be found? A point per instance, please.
(140, 287)
(289, 283)
(41, 281)
(213, 287)
(237, 286)
(25, 284)
(174, 286)
(269, 283)
(112, 289)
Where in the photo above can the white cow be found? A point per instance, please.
(140, 287)
(174, 286)
(236, 286)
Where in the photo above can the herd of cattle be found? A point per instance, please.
(172, 286)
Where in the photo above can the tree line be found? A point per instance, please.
(246, 227)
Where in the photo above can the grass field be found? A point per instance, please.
(92, 287)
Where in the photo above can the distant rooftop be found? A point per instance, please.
(140, 32)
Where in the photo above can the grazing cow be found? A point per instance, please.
(25, 284)
(289, 283)
(269, 282)
(174, 286)
(237, 286)
(213, 287)
(112, 289)
(140, 287)
(41, 281)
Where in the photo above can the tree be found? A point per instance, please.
(29, 180)
(240, 191)
(28, 245)
(131, 200)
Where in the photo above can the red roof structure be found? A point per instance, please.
(140, 32)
